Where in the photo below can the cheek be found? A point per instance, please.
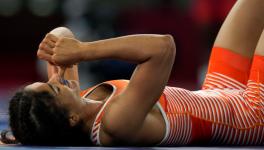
(76, 94)
(71, 101)
(72, 96)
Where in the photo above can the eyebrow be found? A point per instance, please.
(52, 88)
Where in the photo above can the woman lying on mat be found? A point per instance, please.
(228, 110)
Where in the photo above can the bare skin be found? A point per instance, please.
(71, 73)
(155, 46)
(242, 28)
(260, 46)
(154, 55)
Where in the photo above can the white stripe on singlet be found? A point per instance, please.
(231, 114)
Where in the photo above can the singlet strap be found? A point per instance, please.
(118, 87)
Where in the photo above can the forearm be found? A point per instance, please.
(155, 57)
(134, 48)
(71, 73)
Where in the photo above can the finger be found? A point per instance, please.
(60, 41)
(49, 43)
(45, 56)
(54, 68)
(62, 71)
(52, 37)
(45, 48)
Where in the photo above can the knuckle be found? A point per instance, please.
(39, 54)
(54, 59)
(45, 40)
(41, 46)
(48, 35)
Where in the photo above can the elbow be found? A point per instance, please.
(168, 46)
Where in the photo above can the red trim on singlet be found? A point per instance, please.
(202, 128)
(119, 86)
(257, 70)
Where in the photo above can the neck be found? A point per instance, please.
(89, 112)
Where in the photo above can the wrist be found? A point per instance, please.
(87, 51)
(81, 53)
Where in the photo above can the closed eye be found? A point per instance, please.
(57, 88)
(54, 88)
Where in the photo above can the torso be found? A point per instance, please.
(214, 116)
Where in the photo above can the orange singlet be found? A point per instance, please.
(229, 110)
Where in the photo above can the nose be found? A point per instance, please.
(55, 79)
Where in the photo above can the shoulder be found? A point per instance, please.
(116, 83)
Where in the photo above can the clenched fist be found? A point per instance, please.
(59, 51)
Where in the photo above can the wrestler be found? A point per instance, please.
(144, 111)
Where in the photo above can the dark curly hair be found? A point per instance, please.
(36, 119)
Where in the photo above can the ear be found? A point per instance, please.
(74, 119)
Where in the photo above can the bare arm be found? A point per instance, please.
(154, 55)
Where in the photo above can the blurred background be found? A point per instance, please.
(23, 23)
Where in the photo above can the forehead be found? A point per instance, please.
(38, 86)
(64, 97)
(43, 87)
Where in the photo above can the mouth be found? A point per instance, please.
(72, 84)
